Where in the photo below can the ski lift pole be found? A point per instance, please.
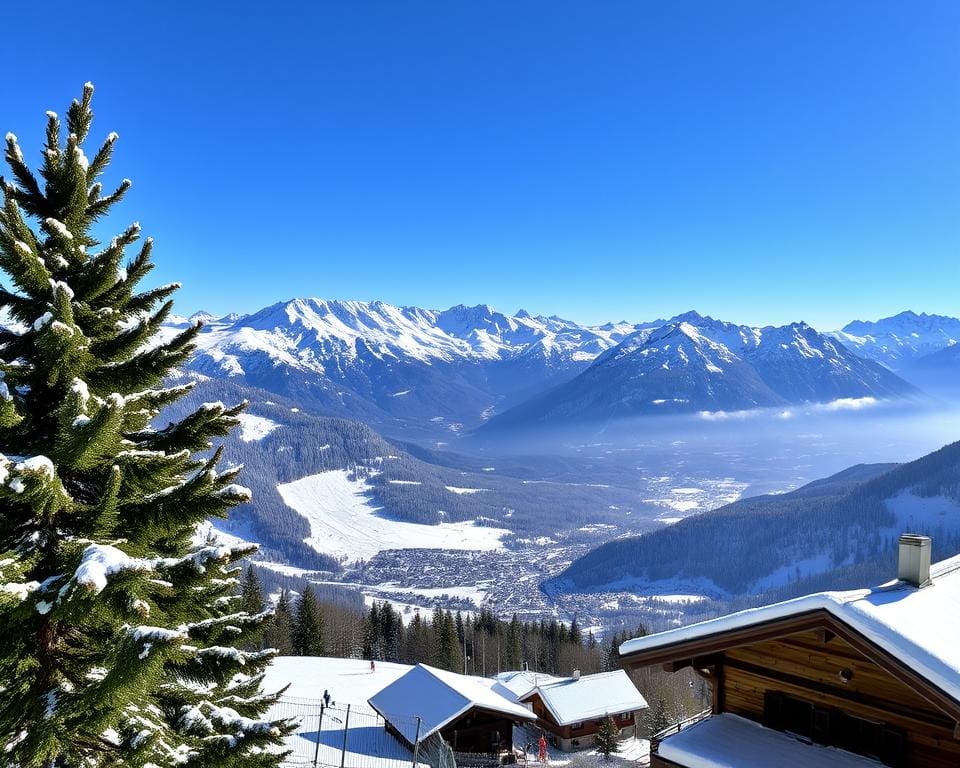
(416, 744)
(346, 725)
(316, 752)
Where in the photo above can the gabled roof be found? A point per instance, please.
(570, 700)
(438, 698)
(919, 627)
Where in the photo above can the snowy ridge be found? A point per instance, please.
(895, 341)
(309, 333)
(696, 363)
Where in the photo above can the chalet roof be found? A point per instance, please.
(438, 698)
(516, 685)
(729, 741)
(573, 700)
(917, 626)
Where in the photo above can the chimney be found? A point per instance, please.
(576, 674)
(913, 566)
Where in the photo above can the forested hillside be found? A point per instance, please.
(833, 532)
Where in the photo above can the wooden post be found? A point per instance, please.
(316, 752)
(346, 725)
(416, 744)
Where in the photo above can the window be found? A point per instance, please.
(576, 726)
(833, 727)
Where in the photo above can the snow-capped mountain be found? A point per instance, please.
(695, 363)
(896, 341)
(400, 365)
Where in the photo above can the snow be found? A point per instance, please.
(730, 741)
(917, 626)
(310, 333)
(253, 428)
(438, 697)
(591, 697)
(59, 227)
(461, 491)
(349, 681)
(404, 482)
(344, 521)
(100, 561)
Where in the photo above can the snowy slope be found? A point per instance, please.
(847, 523)
(345, 522)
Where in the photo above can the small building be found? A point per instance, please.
(835, 679)
(571, 709)
(466, 711)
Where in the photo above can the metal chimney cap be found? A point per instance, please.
(913, 563)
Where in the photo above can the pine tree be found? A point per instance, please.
(606, 738)
(252, 594)
(118, 632)
(278, 633)
(308, 630)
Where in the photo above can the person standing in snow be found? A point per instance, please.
(373, 666)
(542, 755)
(326, 697)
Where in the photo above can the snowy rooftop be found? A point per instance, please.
(516, 685)
(729, 741)
(592, 696)
(918, 626)
(438, 698)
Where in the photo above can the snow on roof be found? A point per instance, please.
(730, 741)
(438, 698)
(572, 700)
(515, 685)
(920, 627)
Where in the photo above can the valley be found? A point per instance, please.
(407, 455)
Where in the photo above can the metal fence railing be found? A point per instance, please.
(343, 736)
(676, 728)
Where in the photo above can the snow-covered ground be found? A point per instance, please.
(344, 521)
(255, 427)
(349, 681)
(631, 752)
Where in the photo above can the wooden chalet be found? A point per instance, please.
(570, 709)
(836, 679)
(470, 716)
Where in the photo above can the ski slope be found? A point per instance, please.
(346, 522)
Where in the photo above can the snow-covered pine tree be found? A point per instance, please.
(118, 630)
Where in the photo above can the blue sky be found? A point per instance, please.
(759, 161)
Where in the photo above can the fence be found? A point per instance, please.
(345, 736)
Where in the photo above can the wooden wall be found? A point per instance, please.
(807, 667)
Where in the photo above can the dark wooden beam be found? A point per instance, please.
(824, 635)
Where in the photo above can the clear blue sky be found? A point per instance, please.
(759, 161)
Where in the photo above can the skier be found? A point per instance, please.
(373, 667)
(542, 756)
(326, 697)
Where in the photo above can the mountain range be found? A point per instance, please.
(695, 363)
(419, 373)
